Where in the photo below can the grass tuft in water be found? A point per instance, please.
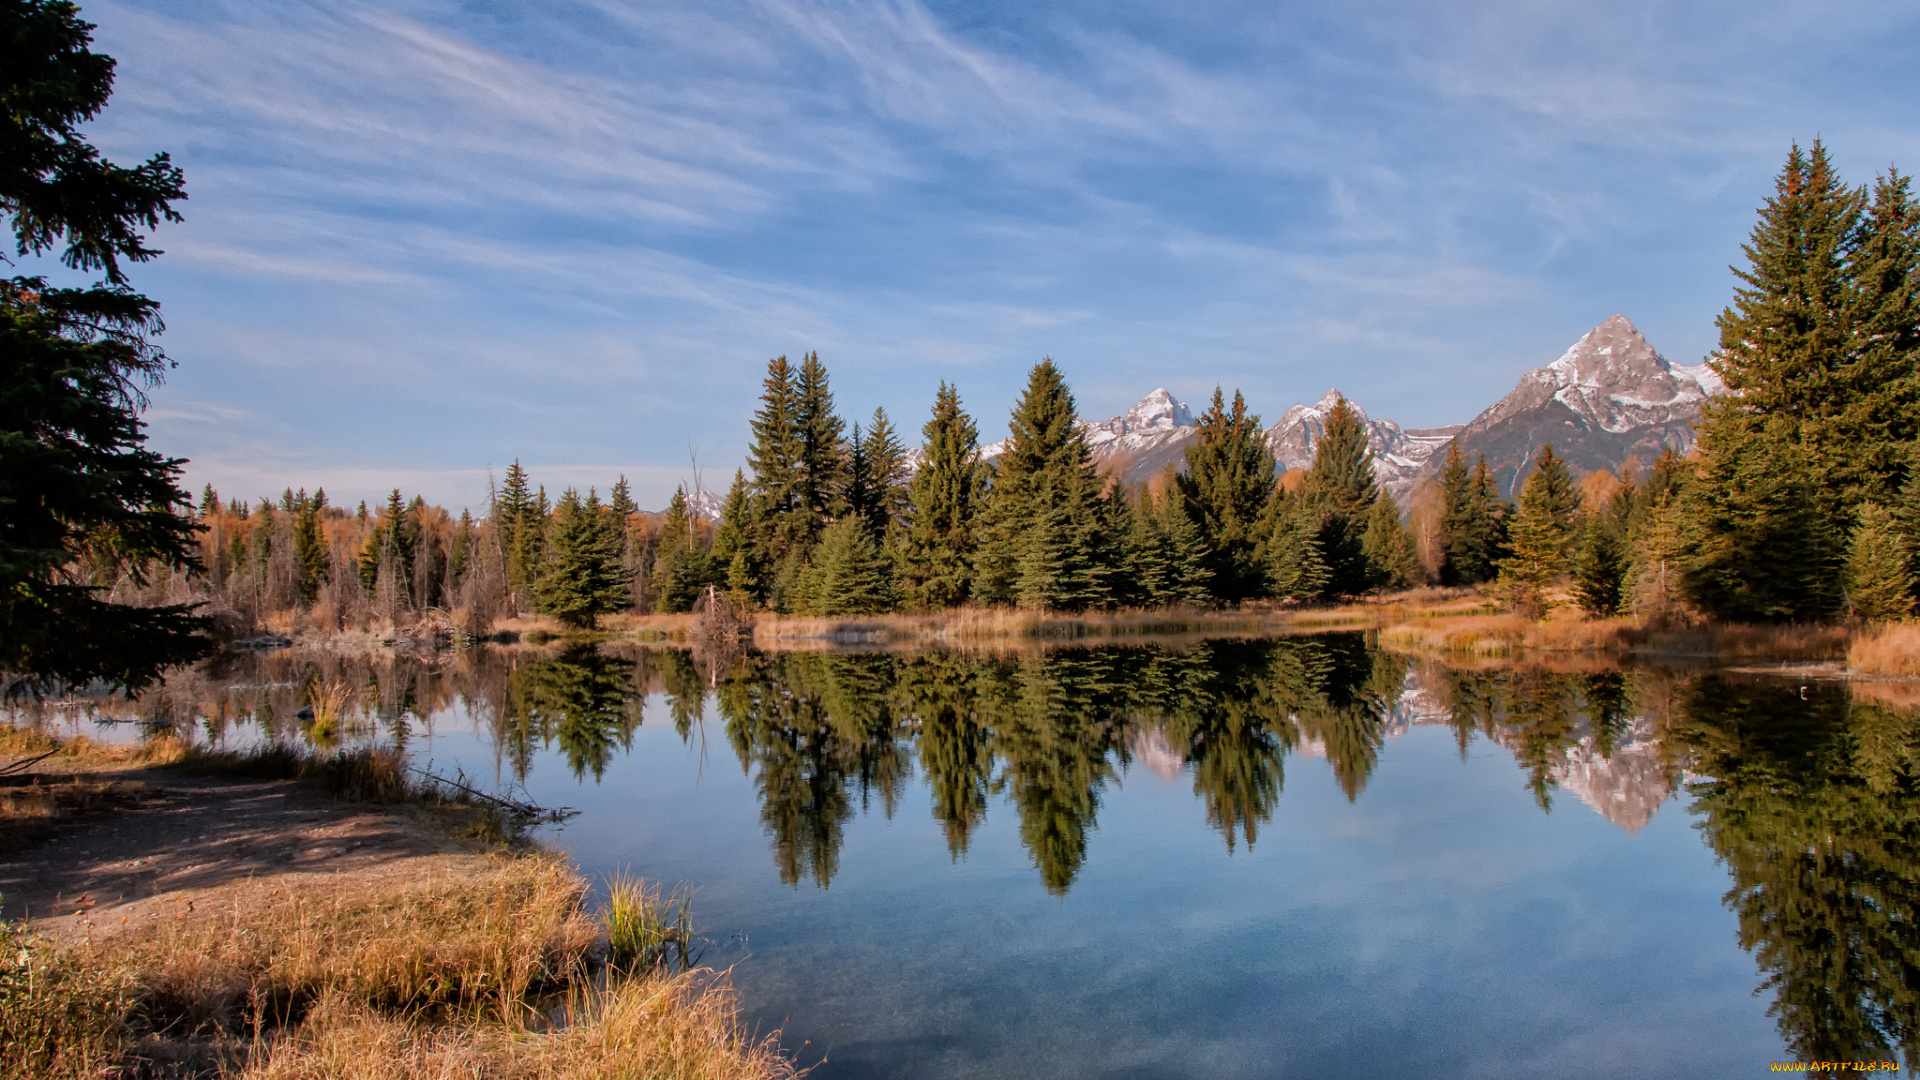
(646, 931)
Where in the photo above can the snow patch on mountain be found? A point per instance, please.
(1136, 444)
(1400, 455)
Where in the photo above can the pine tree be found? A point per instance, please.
(1296, 567)
(1387, 544)
(1880, 584)
(1143, 577)
(776, 461)
(733, 547)
(514, 516)
(947, 492)
(1761, 550)
(850, 573)
(1045, 486)
(1821, 400)
(1542, 533)
(821, 484)
(1191, 573)
(1880, 420)
(1340, 487)
(1469, 511)
(878, 475)
(1229, 478)
(581, 577)
(310, 555)
(1600, 566)
(682, 566)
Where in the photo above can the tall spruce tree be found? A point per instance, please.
(850, 574)
(947, 492)
(1469, 540)
(1541, 538)
(1224, 492)
(515, 521)
(310, 556)
(776, 461)
(77, 481)
(822, 477)
(1340, 487)
(1387, 543)
(581, 577)
(1880, 584)
(878, 476)
(1042, 510)
(1816, 417)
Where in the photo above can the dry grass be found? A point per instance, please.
(665, 1027)
(442, 972)
(683, 1027)
(77, 751)
(1886, 649)
(1510, 635)
(460, 938)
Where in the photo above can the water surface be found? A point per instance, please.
(1290, 857)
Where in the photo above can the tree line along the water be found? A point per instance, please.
(1798, 503)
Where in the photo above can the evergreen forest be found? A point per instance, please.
(1801, 501)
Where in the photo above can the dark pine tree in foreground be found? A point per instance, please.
(1818, 355)
(77, 482)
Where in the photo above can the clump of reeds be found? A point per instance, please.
(646, 930)
(328, 701)
(1886, 649)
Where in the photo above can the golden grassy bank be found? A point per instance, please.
(461, 963)
(1886, 649)
(445, 968)
(1499, 636)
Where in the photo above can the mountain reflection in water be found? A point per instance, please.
(1804, 794)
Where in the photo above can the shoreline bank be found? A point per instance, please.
(209, 922)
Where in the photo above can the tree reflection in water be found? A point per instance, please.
(1811, 805)
(1809, 801)
(583, 701)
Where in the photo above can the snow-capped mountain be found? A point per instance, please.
(1610, 395)
(1136, 444)
(1400, 455)
(704, 504)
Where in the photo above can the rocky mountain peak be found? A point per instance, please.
(1157, 410)
(1399, 455)
(1609, 396)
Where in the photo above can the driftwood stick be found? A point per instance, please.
(528, 809)
(23, 766)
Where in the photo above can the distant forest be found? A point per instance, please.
(1796, 505)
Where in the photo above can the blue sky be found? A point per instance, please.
(427, 238)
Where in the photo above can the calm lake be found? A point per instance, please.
(1230, 858)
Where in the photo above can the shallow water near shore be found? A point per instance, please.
(1248, 858)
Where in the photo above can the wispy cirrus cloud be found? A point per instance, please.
(433, 236)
